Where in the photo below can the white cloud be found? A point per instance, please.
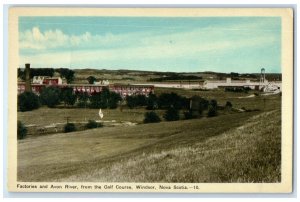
(55, 48)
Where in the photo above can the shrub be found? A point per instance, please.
(69, 127)
(114, 99)
(83, 99)
(168, 100)
(50, 96)
(212, 108)
(67, 96)
(151, 117)
(171, 114)
(93, 124)
(96, 101)
(131, 101)
(188, 114)
(28, 101)
(152, 102)
(22, 130)
(91, 79)
(228, 104)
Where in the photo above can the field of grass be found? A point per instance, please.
(232, 147)
(249, 153)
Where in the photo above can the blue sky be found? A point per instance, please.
(178, 44)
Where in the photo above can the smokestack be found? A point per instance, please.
(27, 78)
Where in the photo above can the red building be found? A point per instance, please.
(122, 89)
(52, 81)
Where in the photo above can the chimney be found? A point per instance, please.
(27, 78)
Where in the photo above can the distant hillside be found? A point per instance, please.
(136, 76)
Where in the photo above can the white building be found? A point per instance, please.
(265, 86)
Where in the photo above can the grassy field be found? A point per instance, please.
(232, 147)
(249, 153)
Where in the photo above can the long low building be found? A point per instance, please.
(228, 83)
(123, 89)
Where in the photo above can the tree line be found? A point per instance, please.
(53, 96)
(66, 73)
(176, 77)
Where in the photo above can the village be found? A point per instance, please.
(133, 118)
(38, 82)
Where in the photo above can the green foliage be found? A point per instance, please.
(96, 102)
(83, 99)
(151, 117)
(212, 108)
(189, 114)
(228, 104)
(136, 101)
(36, 72)
(91, 79)
(28, 101)
(199, 104)
(69, 127)
(105, 99)
(176, 77)
(50, 96)
(152, 102)
(237, 89)
(67, 74)
(67, 96)
(171, 114)
(22, 131)
(131, 101)
(93, 124)
(167, 100)
(114, 99)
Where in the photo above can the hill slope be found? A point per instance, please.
(243, 147)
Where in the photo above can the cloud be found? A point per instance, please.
(203, 45)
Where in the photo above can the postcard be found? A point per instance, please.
(159, 100)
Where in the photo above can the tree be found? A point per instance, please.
(50, 96)
(104, 97)
(22, 130)
(114, 99)
(69, 127)
(171, 114)
(95, 100)
(141, 100)
(167, 100)
(152, 102)
(189, 114)
(83, 98)
(67, 96)
(151, 117)
(28, 101)
(91, 79)
(212, 108)
(41, 72)
(21, 74)
(93, 124)
(67, 74)
(131, 101)
(228, 104)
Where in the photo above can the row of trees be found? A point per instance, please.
(53, 96)
(172, 114)
(104, 99)
(66, 73)
(163, 101)
(68, 127)
(176, 77)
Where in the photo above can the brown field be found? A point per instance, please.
(232, 147)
